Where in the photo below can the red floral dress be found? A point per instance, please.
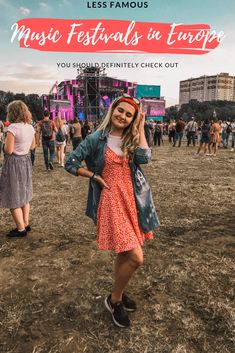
(117, 221)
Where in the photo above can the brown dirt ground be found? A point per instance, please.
(53, 282)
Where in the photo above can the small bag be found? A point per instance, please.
(47, 130)
(60, 136)
(144, 202)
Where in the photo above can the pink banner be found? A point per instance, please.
(60, 35)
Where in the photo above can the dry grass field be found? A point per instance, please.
(54, 281)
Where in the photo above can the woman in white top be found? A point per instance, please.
(16, 179)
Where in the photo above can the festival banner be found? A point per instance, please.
(143, 42)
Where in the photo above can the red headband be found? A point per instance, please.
(129, 101)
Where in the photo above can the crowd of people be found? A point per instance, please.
(55, 135)
(208, 134)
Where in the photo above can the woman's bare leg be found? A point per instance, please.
(17, 215)
(205, 148)
(125, 266)
(215, 148)
(58, 153)
(25, 211)
(199, 148)
(62, 154)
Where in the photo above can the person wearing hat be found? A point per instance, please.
(119, 199)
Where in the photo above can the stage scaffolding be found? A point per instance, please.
(89, 81)
(97, 85)
(86, 97)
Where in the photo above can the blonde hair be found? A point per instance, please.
(130, 136)
(18, 112)
(59, 122)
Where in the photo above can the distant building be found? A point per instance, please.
(208, 88)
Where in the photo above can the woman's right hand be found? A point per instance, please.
(101, 182)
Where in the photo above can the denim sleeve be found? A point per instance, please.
(142, 155)
(76, 157)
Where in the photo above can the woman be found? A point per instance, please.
(215, 136)
(86, 129)
(205, 136)
(171, 131)
(60, 140)
(16, 177)
(77, 133)
(119, 199)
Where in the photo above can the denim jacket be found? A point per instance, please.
(92, 151)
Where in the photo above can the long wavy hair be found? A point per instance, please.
(18, 112)
(130, 136)
(59, 122)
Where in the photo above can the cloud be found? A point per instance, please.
(44, 6)
(25, 87)
(65, 2)
(28, 78)
(43, 73)
(24, 11)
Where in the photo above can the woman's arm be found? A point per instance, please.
(33, 144)
(9, 143)
(97, 178)
(142, 154)
(143, 142)
(85, 149)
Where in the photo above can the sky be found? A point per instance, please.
(31, 71)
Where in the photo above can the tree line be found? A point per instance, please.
(33, 101)
(222, 110)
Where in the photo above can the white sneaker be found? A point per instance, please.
(232, 149)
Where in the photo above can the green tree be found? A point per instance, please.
(34, 103)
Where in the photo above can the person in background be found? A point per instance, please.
(47, 129)
(70, 125)
(179, 131)
(191, 129)
(149, 133)
(16, 189)
(205, 137)
(220, 133)
(233, 134)
(119, 199)
(77, 133)
(162, 128)
(199, 131)
(165, 129)
(215, 135)
(228, 130)
(60, 140)
(67, 130)
(223, 134)
(86, 129)
(157, 134)
(171, 131)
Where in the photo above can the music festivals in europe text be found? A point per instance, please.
(105, 36)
